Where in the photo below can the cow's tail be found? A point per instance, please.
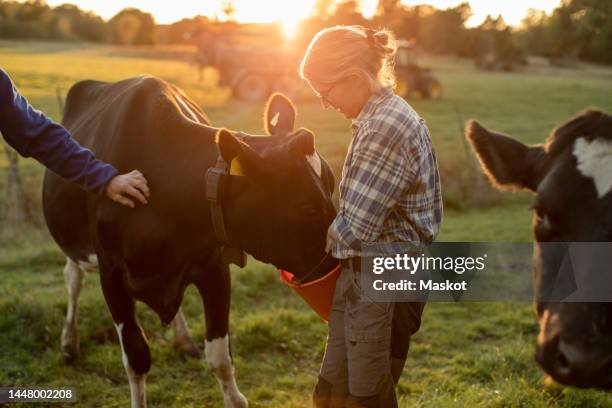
(60, 100)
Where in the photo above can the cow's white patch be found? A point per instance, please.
(73, 277)
(186, 108)
(595, 161)
(315, 162)
(91, 264)
(274, 120)
(137, 382)
(220, 362)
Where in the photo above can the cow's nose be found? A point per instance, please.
(584, 365)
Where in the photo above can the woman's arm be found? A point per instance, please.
(381, 170)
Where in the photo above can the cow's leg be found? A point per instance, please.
(215, 291)
(182, 336)
(73, 276)
(136, 356)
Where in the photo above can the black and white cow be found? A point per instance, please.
(571, 176)
(277, 209)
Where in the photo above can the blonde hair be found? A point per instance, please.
(339, 51)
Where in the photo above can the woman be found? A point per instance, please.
(389, 192)
(32, 134)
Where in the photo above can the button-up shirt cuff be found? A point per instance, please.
(340, 232)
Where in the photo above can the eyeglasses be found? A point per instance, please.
(325, 95)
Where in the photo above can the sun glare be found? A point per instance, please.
(287, 13)
(290, 26)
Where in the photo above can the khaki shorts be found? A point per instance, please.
(358, 348)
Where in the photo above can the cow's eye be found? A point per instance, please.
(544, 228)
(540, 215)
(541, 218)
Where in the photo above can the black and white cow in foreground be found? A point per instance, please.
(278, 210)
(571, 176)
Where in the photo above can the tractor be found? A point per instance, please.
(252, 60)
(412, 79)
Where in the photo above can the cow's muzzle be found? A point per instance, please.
(572, 362)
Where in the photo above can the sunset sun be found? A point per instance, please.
(287, 14)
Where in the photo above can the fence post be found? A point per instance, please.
(16, 206)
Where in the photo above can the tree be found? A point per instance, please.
(16, 205)
(186, 30)
(386, 8)
(229, 10)
(592, 28)
(27, 20)
(323, 9)
(532, 35)
(577, 28)
(404, 21)
(70, 22)
(35, 19)
(132, 27)
(348, 12)
(443, 31)
(393, 15)
(494, 46)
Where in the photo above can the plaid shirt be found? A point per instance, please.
(390, 186)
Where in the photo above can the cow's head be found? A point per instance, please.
(571, 177)
(279, 204)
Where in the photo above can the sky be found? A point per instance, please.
(291, 11)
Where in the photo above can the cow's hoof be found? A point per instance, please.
(70, 352)
(188, 349)
(237, 400)
(70, 345)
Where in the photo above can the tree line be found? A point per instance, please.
(579, 29)
(34, 19)
(576, 29)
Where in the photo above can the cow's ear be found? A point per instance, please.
(279, 115)
(506, 161)
(302, 142)
(229, 147)
(242, 159)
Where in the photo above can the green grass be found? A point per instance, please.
(472, 354)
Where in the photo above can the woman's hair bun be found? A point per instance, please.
(381, 37)
(382, 41)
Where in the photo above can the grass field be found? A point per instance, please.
(466, 355)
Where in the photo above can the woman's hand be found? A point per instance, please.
(125, 186)
(328, 245)
(329, 241)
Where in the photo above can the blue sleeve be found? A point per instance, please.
(32, 134)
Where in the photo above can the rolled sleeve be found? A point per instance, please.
(380, 171)
(340, 232)
(390, 186)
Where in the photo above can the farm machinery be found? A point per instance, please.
(254, 61)
(413, 79)
(251, 61)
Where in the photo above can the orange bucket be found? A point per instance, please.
(319, 294)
